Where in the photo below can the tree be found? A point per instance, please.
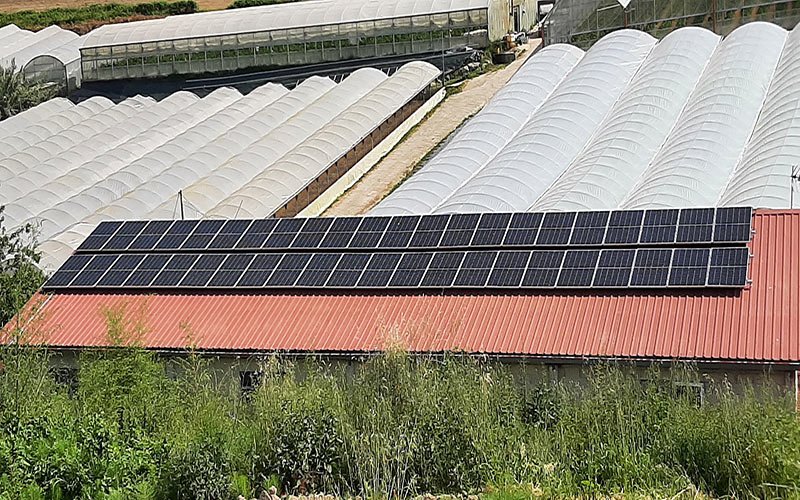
(20, 275)
(18, 94)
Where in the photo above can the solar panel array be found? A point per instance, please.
(620, 249)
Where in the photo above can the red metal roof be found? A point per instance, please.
(758, 323)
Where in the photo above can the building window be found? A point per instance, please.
(693, 391)
(249, 382)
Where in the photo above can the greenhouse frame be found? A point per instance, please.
(300, 33)
(583, 22)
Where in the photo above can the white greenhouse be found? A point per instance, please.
(688, 121)
(50, 55)
(308, 32)
(143, 158)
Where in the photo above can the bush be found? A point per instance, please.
(238, 4)
(395, 426)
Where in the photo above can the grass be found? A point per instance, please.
(135, 426)
(82, 19)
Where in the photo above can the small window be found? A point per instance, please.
(249, 381)
(66, 377)
(693, 391)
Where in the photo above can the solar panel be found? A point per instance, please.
(624, 227)
(399, 231)
(147, 271)
(121, 270)
(460, 230)
(256, 234)
(101, 234)
(340, 232)
(284, 233)
(578, 268)
(94, 270)
(67, 272)
(475, 269)
(614, 268)
(174, 270)
(370, 232)
(728, 267)
(651, 267)
(659, 226)
(429, 231)
(491, 229)
(203, 233)
(318, 270)
(231, 269)
(695, 225)
(229, 234)
(176, 235)
(288, 269)
(689, 267)
(590, 228)
(733, 224)
(124, 235)
(348, 270)
(442, 269)
(509, 268)
(411, 269)
(259, 270)
(543, 268)
(556, 228)
(379, 270)
(312, 232)
(150, 235)
(523, 229)
(202, 270)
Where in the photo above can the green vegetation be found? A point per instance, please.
(82, 19)
(17, 94)
(20, 275)
(130, 426)
(238, 4)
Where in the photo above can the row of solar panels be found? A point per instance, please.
(606, 268)
(634, 227)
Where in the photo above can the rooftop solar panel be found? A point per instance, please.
(590, 228)
(399, 232)
(578, 268)
(556, 228)
(733, 224)
(429, 231)
(411, 269)
(442, 269)
(318, 270)
(256, 234)
(624, 227)
(695, 225)
(659, 226)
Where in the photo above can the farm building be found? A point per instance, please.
(49, 55)
(698, 288)
(583, 22)
(299, 33)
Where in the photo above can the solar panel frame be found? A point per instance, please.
(578, 268)
(150, 235)
(491, 230)
(318, 270)
(733, 225)
(429, 231)
(624, 227)
(543, 269)
(256, 234)
(729, 267)
(556, 229)
(124, 236)
(202, 271)
(146, 271)
(288, 270)
(120, 270)
(689, 267)
(283, 234)
(369, 232)
(475, 269)
(651, 268)
(523, 229)
(229, 234)
(399, 232)
(614, 268)
(94, 270)
(176, 235)
(259, 270)
(231, 270)
(589, 228)
(411, 269)
(695, 225)
(340, 233)
(509, 268)
(442, 269)
(659, 227)
(348, 270)
(99, 236)
(379, 270)
(202, 235)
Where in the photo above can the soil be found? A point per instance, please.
(15, 5)
(450, 113)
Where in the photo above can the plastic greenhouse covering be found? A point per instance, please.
(15, 124)
(702, 122)
(93, 146)
(61, 65)
(239, 170)
(204, 136)
(484, 135)
(557, 132)
(270, 17)
(38, 153)
(50, 125)
(179, 112)
(43, 41)
(284, 179)
(760, 178)
(634, 130)
(697, 159)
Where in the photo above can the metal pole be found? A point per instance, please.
(794, 177)
(180, 199)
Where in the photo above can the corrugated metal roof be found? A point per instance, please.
(758, 323)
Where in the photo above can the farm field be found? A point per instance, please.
(17, 5)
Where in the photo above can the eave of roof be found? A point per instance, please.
(758, 324)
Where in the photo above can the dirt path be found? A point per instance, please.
(394, 167)
(15, 5)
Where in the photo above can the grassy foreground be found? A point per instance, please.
(395, 426)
